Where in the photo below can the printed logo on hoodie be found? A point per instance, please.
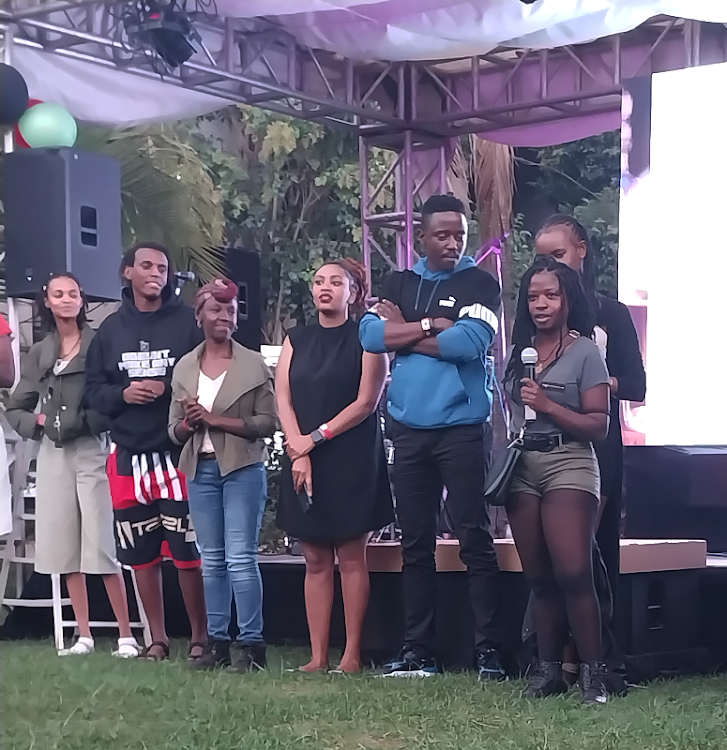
(146, 364)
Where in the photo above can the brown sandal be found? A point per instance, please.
(193, 645)
(145, 654)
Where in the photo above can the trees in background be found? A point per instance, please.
(579, 178)
(291, 192)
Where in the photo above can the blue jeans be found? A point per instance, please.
(226, 513)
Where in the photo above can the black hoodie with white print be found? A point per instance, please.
(134, 345)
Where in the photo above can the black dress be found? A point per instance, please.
(351, 492)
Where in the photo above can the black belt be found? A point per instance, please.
(206, 456)
(545, 442)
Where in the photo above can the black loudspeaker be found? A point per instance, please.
(243, 267)
(62, 213)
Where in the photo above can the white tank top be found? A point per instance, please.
(207, 390)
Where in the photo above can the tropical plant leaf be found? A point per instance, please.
(167, 194)
(493, 165)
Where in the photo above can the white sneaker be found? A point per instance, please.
(128, 649)
(82, 647)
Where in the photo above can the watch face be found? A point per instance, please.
(317, 437)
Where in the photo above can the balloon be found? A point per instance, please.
(20, 142)
(13, 95)
(48, 125)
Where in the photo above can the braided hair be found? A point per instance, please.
(588, 274)
(580, 311)
(356, 273)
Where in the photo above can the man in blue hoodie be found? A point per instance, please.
(440, 318)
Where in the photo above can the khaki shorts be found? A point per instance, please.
(74, 522)
(572, 466)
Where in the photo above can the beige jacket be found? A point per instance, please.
(246, 393)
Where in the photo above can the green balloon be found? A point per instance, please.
(48, 125)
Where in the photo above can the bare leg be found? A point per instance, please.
(76, 584)
(190, 581)
(319, 561)
(355, 589)
(116, 591)
(149, 581)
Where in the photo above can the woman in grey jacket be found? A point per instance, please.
(74, 520)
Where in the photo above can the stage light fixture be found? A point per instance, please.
(164, 27)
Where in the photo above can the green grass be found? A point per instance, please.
(100, 703)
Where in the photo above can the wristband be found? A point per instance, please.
(326, 432)
(186, 426)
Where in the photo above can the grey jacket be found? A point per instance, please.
(61, 396)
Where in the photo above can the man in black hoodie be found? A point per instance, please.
(128, 375)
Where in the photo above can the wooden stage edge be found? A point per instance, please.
(637, 556)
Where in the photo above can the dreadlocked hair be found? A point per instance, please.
(588, 275)
(580, 312)
(356, 273)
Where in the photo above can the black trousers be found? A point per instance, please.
(426, 461)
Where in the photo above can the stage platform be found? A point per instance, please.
(664, 619)
(671, 619)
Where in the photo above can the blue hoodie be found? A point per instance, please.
(454, 389)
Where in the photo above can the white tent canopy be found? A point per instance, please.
(79, 58)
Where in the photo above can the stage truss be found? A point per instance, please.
(407, 107)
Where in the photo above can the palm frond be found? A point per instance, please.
(493, 167)
(167, 194)
(459, 174)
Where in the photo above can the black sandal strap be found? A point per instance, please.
(156, 644)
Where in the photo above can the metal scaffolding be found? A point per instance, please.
(403, 106)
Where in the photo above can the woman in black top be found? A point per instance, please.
(565, 239)
(335, 484)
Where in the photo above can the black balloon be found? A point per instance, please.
(13, 95)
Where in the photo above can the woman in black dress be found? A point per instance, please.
(335, 486)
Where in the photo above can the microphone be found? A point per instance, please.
(529, 358)
(182, 277)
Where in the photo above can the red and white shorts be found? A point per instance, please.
(151, 512)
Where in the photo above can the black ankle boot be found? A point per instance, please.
(216, 655)
(247, 657)
(593, 683)
(547, 679)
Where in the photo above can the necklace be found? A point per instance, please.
(71, 350)
(543, 361)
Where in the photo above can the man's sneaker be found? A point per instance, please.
(593, 683)
(489, 666)
(546, 679)
(407, 663)
(247, 657)
(216, 655)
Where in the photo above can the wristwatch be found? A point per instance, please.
(322, 434)
(427, 327)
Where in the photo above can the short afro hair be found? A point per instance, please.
(439, 204)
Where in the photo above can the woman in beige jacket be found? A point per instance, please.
(222, 408)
